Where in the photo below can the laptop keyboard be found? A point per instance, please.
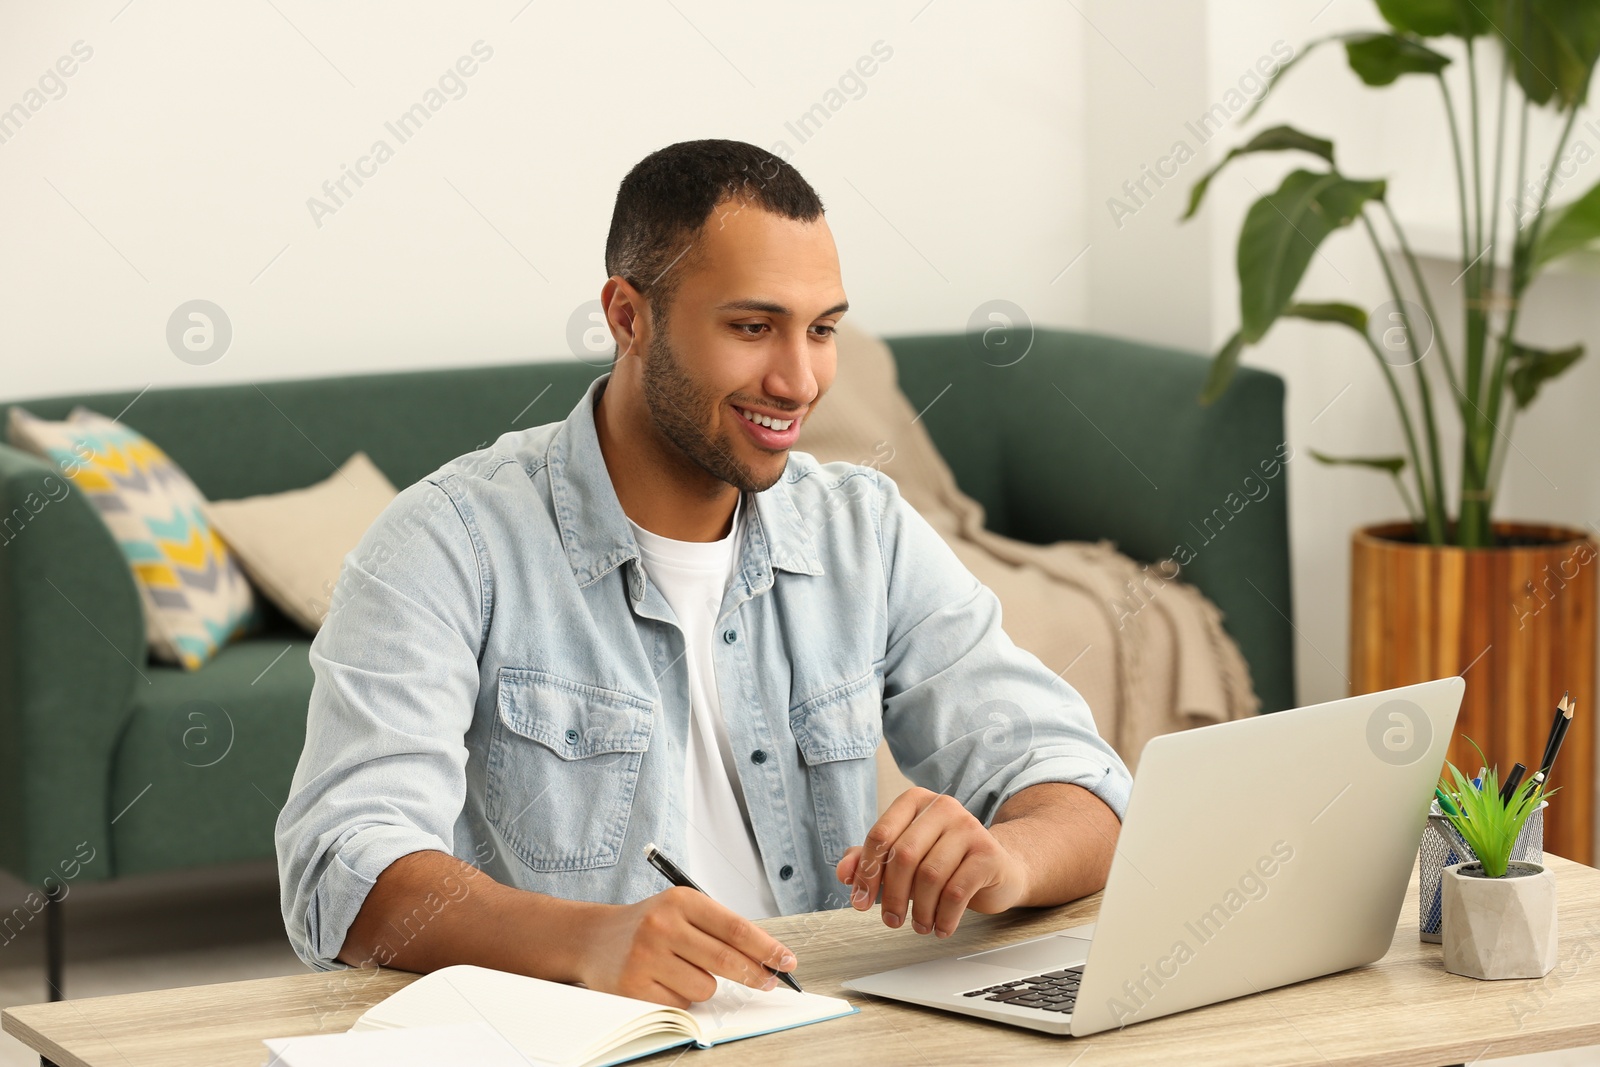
(1050, 991)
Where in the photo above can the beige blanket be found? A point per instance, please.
(1146, 650)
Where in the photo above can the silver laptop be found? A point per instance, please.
(1253, 854)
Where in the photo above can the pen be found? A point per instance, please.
(1452, 838)
(674, 874)
(1509, 790)
(1445, 804)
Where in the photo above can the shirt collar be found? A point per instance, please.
(594, 528)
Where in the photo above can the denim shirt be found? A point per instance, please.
(497, 680)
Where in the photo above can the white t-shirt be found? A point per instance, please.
(722, 855)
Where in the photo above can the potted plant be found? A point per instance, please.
(1450, 589)
(1499, 915)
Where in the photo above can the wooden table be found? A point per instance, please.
(1405, 1009)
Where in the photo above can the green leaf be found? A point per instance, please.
(1568, 228)
(1553, 45)
(1532, 367)
(1277, 139)
(1343, 314)
(1489, 825)
(1281, 233)
(1387, 464)
(1310, 46)
(1380, 58)
(1437, 18)
(1223, 367)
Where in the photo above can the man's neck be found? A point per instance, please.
(657, 487)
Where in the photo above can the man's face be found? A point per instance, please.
(750, 328)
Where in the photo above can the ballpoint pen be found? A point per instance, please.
(1452, 837)
(1445, 803)
(1509, 790)
(674, 874)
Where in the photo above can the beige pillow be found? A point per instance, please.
(292, 545)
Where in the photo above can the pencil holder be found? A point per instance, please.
(1435, 855)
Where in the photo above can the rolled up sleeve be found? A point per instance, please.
(382, 773)
(966, 711)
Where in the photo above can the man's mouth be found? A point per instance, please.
(770, 433)
(765, 420)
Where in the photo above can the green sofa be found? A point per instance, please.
(151, 768)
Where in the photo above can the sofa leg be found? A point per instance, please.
(54, 939)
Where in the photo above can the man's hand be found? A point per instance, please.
(665, 949)
(929, 849)
(668, 947)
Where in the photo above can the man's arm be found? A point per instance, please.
(1018, 799)
(1064, 837)
(429, 910)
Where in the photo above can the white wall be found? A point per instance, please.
(179, 162)
(977, 164)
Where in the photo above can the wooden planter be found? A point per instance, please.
(1517, 622)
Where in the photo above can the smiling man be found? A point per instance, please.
(654, 622)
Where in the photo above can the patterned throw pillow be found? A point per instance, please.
(195, 597)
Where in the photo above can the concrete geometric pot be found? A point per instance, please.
(1499, 927)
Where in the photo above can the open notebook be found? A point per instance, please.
(557, 1024)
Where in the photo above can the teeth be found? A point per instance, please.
(762, 420)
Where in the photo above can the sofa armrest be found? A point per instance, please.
(72, 647)
(1089, 437)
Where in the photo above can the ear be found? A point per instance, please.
(626, 314)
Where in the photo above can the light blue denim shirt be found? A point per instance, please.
(496, 679)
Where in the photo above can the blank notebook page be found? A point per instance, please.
(555, 1023)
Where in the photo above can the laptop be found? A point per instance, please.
(1253, 854)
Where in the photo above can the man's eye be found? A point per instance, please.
(831, 330)
(750, 327)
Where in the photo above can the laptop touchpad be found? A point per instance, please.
(1040, 954)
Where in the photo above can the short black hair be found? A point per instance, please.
(668, 196)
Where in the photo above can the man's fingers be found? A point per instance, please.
(904, 810)
(728, 927)
(911, 856)
(660, 994)
(845, 869)
(685, 978)
(717, 957)
(940, 908)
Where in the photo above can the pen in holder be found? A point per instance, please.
(1442, 846)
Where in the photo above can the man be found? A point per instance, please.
(652, 621)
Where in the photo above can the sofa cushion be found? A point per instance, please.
(292, 545)
(206, 757)
(195, 597)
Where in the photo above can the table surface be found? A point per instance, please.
(1405, 1009)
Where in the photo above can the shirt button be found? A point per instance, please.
(758, 756)
(572, 737)
(786, 872)
(730, 636)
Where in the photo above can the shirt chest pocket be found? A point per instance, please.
(563, 768)
(837, 734)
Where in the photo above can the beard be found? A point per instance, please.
(681, 409)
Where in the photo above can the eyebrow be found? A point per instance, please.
(773, 308)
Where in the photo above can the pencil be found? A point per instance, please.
(1558, 734)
